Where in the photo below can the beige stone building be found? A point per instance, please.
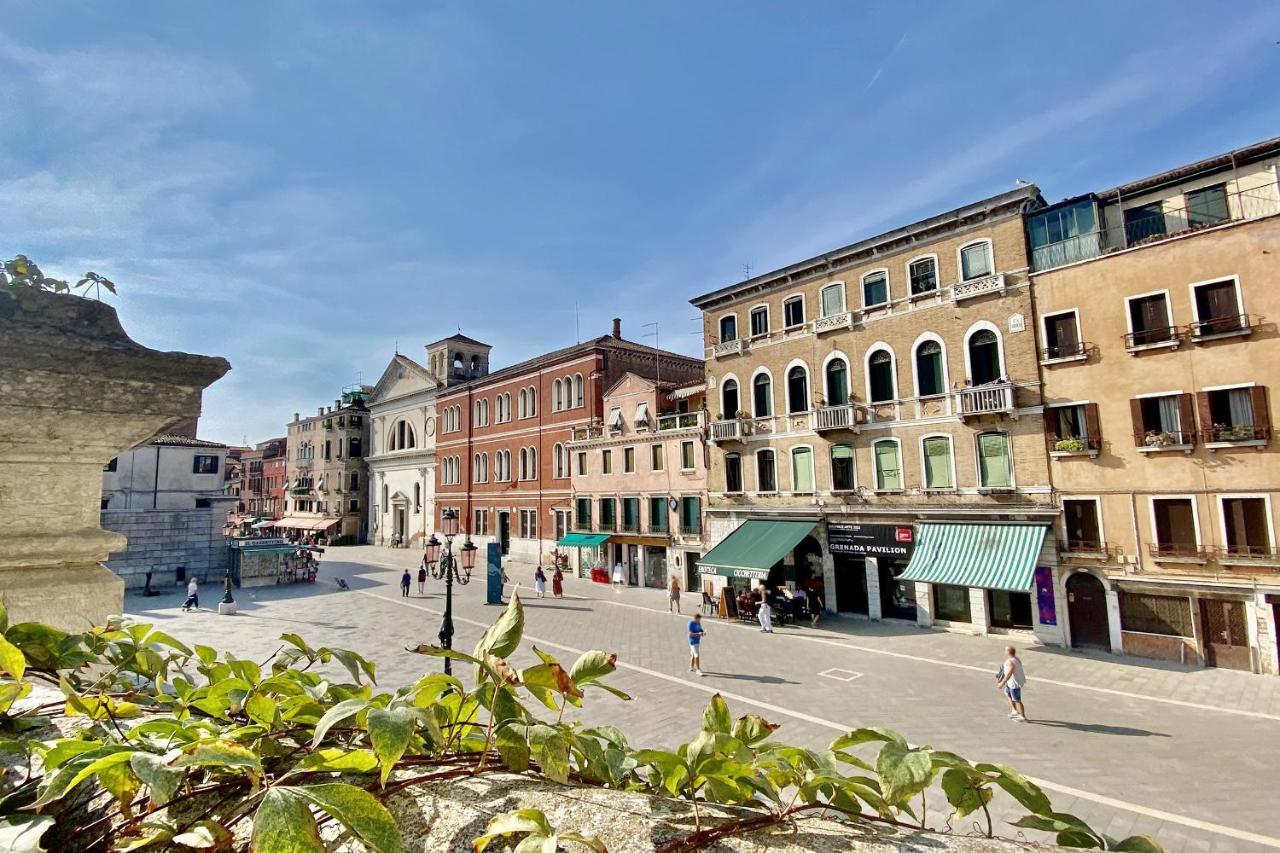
(327, 475)
(877, 431)
(1157, 304)
(640, 483)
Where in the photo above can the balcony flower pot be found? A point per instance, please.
(1070, 445)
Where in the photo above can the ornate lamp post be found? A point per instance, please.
(449, 566)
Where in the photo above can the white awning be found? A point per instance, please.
(642, 414)
(688, 391)
(615, 418)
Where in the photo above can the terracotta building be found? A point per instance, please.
(501, 456)
(640, 482)
(327, 475)
(275, 460)
(1157, 305)
(877, 432)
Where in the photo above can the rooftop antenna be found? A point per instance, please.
(397, 346)
(746, 271)
(657, 361)
(577, 332)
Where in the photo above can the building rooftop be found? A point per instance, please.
(462, 339)
(1216, 163)
(167, 440)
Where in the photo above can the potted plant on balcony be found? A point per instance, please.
(1158, 439)
(1071, 445)
(1238, 432)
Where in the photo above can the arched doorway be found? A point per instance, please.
(1087, 612)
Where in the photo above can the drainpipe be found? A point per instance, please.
(155, 487)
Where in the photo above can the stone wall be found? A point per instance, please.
(161, 540)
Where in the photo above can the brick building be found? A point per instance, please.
(501, 455)
(326, 474)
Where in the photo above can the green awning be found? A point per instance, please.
(582, 540)
(754, 548)
(987, 556)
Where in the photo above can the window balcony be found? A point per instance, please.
(1153, 441)
(1085, 548)
(835, 321)
(1076, 446)
(1244, 435)
(996, 398)
(726, 430)
(630, 527)
(1169, 337)
(682, 420)
(977, 287)
(727, 348)
(1178, 552)
(1249, 555)
(1217, 328)
(1066, 352)
(846, 417)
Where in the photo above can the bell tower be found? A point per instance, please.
(457, 359)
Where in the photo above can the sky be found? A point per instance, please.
(303, 188)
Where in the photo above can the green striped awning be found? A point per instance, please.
(753, 549)
(582, 540)
(987, 556)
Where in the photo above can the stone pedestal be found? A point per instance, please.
(75, 391)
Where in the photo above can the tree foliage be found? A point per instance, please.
(22, 272)
(179, 747)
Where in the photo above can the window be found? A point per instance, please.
(930, 380)
(995, 469)
(801, 469)
(766, 472)
(1207, 206)
(560, 462)
(631, 514)
(1009, 609)
(728, 328)
(924, 275)
(1176, 528)
(417, 498)
(975, 261)
(842, 471)
(1150, 320)
(577, 389)
(656, 458)
(615, 418)
(938, 468)
(354, 505)
(837, 375)
(875, 289)
(533, 402)
(1234, 414)
(402, 437)
(880, 377)
(1081, 525)
(951, 603)
(355, 447)
(111, 466)
(502, 460)
(478, 462)
(984, 358)
(833, 299)
(557, 399)
(1062, 336)
(1162, 420)
(480, 413)
(582, 513)
(732, 473)
(106, 502)
(888, 466)
(355, 480)
(1169, 615)
(582, 463)
(607, 519)
(1217, 308)
(628, 460)
(1072, 428)
(528, 463)
(1245, 522)
(687, 460)
(762, 395)
(658, 515)
(729, 399)
(1064, 235)
(690, 515)
(759, 321)
(797, 389)
(1144, 222)
(201, 464)
(793, 312)
(528, 524)
(481, 525)
(606, 461)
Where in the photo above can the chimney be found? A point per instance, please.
(319, 411)
(337, 404)
(295, 417)
(617, 327)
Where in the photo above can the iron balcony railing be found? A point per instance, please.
(1262, 553)
(1241, 432)
(1095, 548)
(1152, 337)
(681, 420)
(1235, 324)
(1177, 551)
(985, 399)
(1243, 205)
(1156, 439)
(1073, 349)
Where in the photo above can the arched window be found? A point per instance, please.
(797, 389)
(475, 365)
(929, 376)
(402, 437)
(728, 328)
(762, 395)
(984, 357)
(523, 398)
(880, 377)
(729, 398)
(766, 472)
(577, 389)
(457, 362)
(837, 382)
(732, 473)
(555, 396)
(558, 461)
(533, 402)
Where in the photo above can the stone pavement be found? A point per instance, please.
(1132, 747)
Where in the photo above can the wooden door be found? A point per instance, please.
(1087, 612)
(1226, 639)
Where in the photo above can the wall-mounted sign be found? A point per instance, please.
(1017, 323)
(871, 540)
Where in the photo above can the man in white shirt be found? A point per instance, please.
(193, 596)
(1012, 678)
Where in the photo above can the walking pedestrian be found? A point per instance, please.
(696, 632)
(405, 580)
(557, 583)
(193, 597)
(674, 594)
(539, 582)
(422, 578)
(765, 615)
(617, 577)
(1011, 680)
(816, 606)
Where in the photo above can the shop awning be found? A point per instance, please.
(987, 556)
(294, 523)
(265, 523)
(325, 523)
(753, 549)
(582, 540)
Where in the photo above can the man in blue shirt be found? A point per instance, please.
(695, 639)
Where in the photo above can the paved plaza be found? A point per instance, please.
(1188, 756)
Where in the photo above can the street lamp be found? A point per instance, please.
(452, 568)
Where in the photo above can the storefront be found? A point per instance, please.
(588, 547)
(755, 553)
(870, 557)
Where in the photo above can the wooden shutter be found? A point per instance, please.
(1261, 414)
(1051, 425)
(1186, 416)
(1204, 411)
(1092, 426)
(1135, 412)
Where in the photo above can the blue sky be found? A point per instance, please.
(300, 186)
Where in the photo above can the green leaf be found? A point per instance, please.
(220, 753)
(857, 737)
(165, 640)
(284, 824)
(903, 772)
(716, 717)
(503, 636)
(592, 666)
(206, 654)
(334, 715)
(261, 709)
(753, 729)
(355, 664)
(12, 691)
(12, 660)
(528, 821)
(512, 744)
(550, 748)
(66, 779)
(591, 842)
(965, 791)
(160, 779)
(390, 731)
(359, 811)
(340, 760)
(4, 619)
(20, 833)
(1026, 792)
(1139, 844)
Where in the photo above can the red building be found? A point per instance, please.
(275, 455)
(501, 442)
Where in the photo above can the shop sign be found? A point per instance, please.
(251, 544)
(1044, 596)
(871, 540)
